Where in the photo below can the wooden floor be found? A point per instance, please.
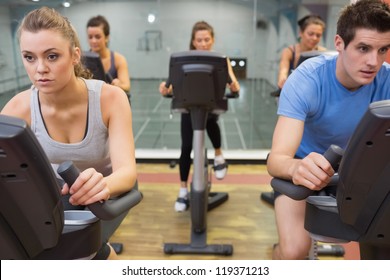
(244, 221)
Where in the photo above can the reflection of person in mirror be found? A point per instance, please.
(202, 38)
(311, 28)
(73, 117)
(114, 63)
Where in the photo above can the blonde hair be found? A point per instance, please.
(46, 18)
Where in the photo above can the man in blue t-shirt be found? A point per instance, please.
(321, 104)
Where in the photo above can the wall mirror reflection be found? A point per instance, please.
(252, 33)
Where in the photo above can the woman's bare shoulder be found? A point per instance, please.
(112, 99)
(19, 105)
(120, 57)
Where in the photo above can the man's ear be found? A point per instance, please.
(339, 43)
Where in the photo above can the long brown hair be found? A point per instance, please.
(198, 26)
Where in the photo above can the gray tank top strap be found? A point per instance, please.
(94, 112)
(93, 147)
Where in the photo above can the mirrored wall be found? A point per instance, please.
(251, 32)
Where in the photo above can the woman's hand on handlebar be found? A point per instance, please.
(313, 172)
(234, 86)
(164, 90)
(89, 187)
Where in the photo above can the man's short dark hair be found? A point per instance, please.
(367, 14)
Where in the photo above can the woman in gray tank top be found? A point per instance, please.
(86, 121)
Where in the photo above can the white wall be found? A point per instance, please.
(234, 23)
(233, 26)
(7, 65)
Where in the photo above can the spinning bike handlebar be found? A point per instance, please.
(230, 95)
(106, 210)
(296, 192)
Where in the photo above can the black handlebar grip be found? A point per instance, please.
(167, 85)
(229, 79)
(234, 94)
(288, 188)
(106, 210)
(69, 172)
(334, 155)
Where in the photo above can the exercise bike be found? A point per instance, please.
(33, 223)
(360, 211)
(198, 80)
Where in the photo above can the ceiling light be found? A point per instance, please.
(151, 18)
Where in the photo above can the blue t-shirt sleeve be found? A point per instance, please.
(297, 98)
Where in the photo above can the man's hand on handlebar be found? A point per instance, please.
(313, 172)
